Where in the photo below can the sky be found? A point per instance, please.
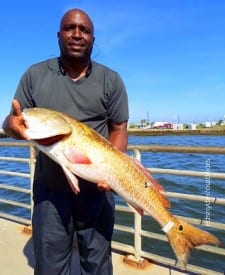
(169, 53)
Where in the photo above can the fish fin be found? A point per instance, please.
(183, 237)
(76, 156)
(72, 179)
(136, 209)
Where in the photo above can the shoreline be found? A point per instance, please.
(166, 132)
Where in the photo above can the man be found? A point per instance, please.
(95, 95)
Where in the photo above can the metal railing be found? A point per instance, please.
(31, 161)
(136, 229)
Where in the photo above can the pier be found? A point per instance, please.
(16, 252)
(17, 257)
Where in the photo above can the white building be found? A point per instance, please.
(178, 126)
(209, 124)
(192, 126)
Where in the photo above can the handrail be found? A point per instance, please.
(186, 173)
(136, 248)
(31, 161)
(178, 149)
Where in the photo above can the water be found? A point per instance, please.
(189, 185)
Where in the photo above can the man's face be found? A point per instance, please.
(76, 36)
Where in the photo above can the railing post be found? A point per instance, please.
(137, 154)
(137, 236)
(137, 222)
(32, 167)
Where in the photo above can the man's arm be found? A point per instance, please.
(14, 125)
(118, 136)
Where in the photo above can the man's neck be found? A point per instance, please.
(74, 68)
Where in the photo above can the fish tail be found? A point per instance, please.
(183, 237)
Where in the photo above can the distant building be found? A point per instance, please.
(178, 126)
(162, 125)
(192, 126)
(209, 124)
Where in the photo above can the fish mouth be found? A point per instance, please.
(50, 140)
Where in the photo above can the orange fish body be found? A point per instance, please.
(81, 151)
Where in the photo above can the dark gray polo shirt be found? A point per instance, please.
(96, 99)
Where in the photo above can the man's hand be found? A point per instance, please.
(14, 124)
(103, 187)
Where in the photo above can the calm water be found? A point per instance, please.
(190, 185)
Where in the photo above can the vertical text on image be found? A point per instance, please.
(207, 192)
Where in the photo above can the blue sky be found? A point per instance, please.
(170, 53)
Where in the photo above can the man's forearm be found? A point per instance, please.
(119, 138)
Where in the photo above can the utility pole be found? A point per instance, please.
(147, 118)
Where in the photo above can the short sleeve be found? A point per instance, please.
(118, 110)
(23, 91)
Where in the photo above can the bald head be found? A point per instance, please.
(77, 13)
(76, 36)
